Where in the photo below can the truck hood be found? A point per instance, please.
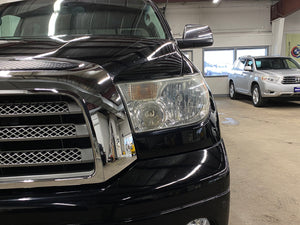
(123, 59)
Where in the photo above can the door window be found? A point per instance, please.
(249, 63)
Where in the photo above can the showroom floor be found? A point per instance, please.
(263, 146)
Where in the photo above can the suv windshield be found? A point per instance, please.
(50, 18)
(275, 64)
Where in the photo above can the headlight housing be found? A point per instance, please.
(166, 103)
(270, 78)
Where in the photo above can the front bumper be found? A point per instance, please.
(168, 190)
(280, 90)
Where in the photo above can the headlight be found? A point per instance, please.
(270, 78)
(160, 104)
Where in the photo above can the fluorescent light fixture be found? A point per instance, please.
(216, 1)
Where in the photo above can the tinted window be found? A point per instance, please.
(9, 25)
(275, 63)
(45, 18)
(249, 63)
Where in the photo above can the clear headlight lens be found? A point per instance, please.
(270, 78)
(160, 104)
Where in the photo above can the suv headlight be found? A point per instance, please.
(270, 78)
(166, 103)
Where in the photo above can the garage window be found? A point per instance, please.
(218, 62)
(252, 52)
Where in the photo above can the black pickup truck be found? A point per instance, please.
(103, 120)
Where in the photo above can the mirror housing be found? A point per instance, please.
(195, 36)
(248, 68)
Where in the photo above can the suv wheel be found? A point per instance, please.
(232, 93)
(257, 100)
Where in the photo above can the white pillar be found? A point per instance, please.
(277, 36)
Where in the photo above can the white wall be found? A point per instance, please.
(292, 23)
(291, 26)
(234, 24)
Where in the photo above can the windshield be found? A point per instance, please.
(50, 18)
(276, 64)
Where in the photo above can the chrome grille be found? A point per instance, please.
(33, 108)
(40, 157)
(37, 132)
(291, 80)
(43, 134)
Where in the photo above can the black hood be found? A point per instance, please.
(123, 59)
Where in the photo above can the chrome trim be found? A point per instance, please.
(87, 83)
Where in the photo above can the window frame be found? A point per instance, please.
(235, 49)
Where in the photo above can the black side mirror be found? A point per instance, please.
(195, 36)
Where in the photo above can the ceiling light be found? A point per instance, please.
(216, 1)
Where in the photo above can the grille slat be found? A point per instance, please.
(34, 158)
(40, 132)
(27, 109)
(291, 80)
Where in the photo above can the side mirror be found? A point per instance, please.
(248, 68)
(195, 36)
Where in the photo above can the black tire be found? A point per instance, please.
(257, 100)
(232, 92)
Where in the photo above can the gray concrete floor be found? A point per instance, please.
(263, 146)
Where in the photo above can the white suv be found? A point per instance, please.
(265, 77)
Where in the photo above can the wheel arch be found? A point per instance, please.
(252, 85)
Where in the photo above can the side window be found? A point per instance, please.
(258, 64)
(249, 63)
(8, 25)
(291, 65)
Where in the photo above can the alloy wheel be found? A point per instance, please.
(255, 96)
